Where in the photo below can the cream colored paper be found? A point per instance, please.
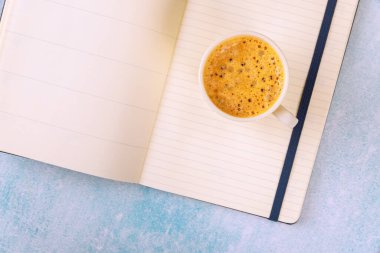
(81, 81)
(196, 153)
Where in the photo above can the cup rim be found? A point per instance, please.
(278, 51)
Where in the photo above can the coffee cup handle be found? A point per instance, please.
(286, 117)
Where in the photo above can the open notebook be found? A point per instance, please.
(109, 88)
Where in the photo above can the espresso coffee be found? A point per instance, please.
(244, 76)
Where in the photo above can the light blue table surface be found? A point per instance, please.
(48, 209)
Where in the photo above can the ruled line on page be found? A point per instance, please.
(191, 164)
(224, 191)
(201, 8)
(109, 17)
(216, 155)
(316, 112)
(258, 176)
(223, 135)
(303, 12)
(203, 41)
(253, 181)
(195, 116)
(233, 198)
(272, 8)
(194, 127)
(244, 194)
(262, 21)
(213, 123)
(214, 173)
(256, 150)
(81, 51)
(196, 194)
(235, 143)
(225, 27)
(70, 130)
(173, 109)
(297, 11)
(200, 147)
(214, 180)
(191, 135)
(169, 119)
(312, 4)
(42, 82)
(240, 27)
(292, 49)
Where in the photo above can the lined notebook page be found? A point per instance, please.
(196, 153)
(81, 80)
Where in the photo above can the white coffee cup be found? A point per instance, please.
(280, 112)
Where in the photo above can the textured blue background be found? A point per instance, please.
(49, 209)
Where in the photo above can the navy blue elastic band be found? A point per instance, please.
(302, 109)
